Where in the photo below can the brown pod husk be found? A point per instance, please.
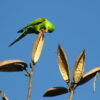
(63, 64)
(89, 75)
(4, 97)
(79, 67)
(12, 65)
(55, 91)
(37, 48)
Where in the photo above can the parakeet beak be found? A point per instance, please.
(44, 30)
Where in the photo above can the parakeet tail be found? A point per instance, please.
(20, 37)
(20, 31)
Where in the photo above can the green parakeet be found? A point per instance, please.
(36, 26)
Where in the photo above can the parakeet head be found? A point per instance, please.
(45, 26)
(51, 28)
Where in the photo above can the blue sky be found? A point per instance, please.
(77, 26)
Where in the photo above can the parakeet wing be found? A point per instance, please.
(35, 22)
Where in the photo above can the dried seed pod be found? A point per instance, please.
(55, 91)
(95, 79)
(12, 65)
(79, 67)
(63, 64)
(4, 97)
(37, 48)
(89, 75)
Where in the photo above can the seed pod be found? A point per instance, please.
(4, 97)
(37, 48)
(55, 91)
(79, 67)
(63, 64)
(12, 65)
(89, 75)
(95, 79)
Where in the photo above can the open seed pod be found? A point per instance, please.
(79, 67)
(89, 75)
(37, 48)
(55, 91)
(4, 97)
(63, 64)
(12, 65)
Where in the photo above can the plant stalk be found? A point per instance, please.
(30, 82)
(71, 94)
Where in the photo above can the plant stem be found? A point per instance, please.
(71, 94)
(30, 82)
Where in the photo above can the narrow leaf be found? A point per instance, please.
(55, 91)
(37, 48)
(89, 75)
(79, 67)
(63, 64)
(12, 65)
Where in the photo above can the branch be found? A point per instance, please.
(71, 94)
(30, 74)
